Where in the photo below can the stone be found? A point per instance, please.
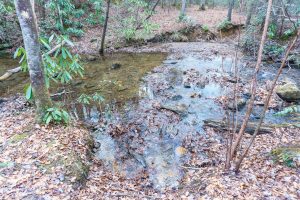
(93, 40)
(180, 109)
(91, 58)
(176, 97)
(240, 104)
(187, 85)
(288, 92)
(115, 66)
(170, 62)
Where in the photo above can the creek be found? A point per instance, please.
(158, 111)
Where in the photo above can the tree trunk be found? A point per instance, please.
(230, 8)
(183, 7)
(28, 23)
(249, 14)
(101, 50)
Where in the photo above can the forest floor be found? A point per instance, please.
(37, 162)
(167, 19)
(31, 154)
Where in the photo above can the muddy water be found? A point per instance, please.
(118, 84)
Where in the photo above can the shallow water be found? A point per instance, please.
(120, 84)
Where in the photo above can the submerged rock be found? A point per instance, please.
(187, 85)
(240, 104)
(288, 92)
(180, 109)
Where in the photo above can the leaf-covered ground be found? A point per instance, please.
(28, 169)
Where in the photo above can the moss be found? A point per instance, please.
(18, 138)
(289, 156)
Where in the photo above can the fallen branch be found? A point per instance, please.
(250, 128)
(10, 72)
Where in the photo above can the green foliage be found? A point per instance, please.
(224, 25)
(28, 93)
(66, 18)
(288, 110)
(135, 22)
(56, 116)
(286, 155)
(63, 66)
(21, 53)
(84, 99)
(98, 98)
(273, 49)
(87, 99)
(205, 28)
(97, 16)
(272, 31)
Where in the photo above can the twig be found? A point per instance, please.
(10, 72)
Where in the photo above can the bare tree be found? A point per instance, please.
(253, 83)
(101, 50)
(249, 13)
(230, 8)
(183, 7)
(28, 23)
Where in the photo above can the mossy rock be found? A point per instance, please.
(288, 92)
(289, 155)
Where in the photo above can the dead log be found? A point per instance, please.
(10, 72)
(223, 126)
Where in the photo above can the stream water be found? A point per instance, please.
(153, 136)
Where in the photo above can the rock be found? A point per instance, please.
(93, 40)
(170, 62)
(240, 104)
(176, 97)
(187, 85)
(91, 58)
(194, 95)
(115, 66)
(288, 92)
(288, 155)
(180, 109)
(2, 100)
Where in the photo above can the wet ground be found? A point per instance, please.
(164, 107)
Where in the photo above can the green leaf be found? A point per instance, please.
(48, 120)
(29, 93)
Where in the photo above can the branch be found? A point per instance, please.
(254, 82)
(267, 101)
(150, 15)
(10, 72)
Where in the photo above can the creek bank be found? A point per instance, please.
(59, 154)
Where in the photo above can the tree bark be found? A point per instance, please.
(183, 7)
(101, 50)
(230, 8)
(249, 14)
(28, 23)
